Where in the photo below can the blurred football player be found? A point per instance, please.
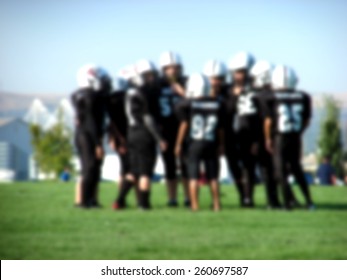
(89, 103)
(216, 72)
(241, 127)
(142, 137)
(117, 129)
(202, 121)
(260, 75)
(172, 90)
(286, 117)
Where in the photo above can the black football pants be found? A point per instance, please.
(287, 159)
(90, 167)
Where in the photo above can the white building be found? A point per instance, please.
(15, 150)
(37, 113)
(67, 115)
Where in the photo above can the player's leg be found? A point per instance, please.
(89, 169)
(78, 191)
(97, 178)
(144, 192)
(293, 201)
(212, 173)
(267, 173)
(124, 168)
(147, 160)
(299, 175)
(131, 172)
(280, 159)
(128, 182)
(78, 186)
(184, 178)
(248, 162)
(232, 157)
(169, 160)
(232, 154)
(193, 165)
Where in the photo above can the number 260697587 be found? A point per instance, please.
(233, 270)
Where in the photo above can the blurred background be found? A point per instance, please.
(43, 43)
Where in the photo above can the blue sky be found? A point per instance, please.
(43, 43)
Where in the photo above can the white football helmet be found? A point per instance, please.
(198, 86)
(261, 73)
(283, 77)
(169, 58)
(130, 75)
(215, 68)
(92, 76)
(144, 65)
(241, 61)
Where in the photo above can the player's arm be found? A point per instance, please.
(179, 89)
(150, 124)
(221, 141)
(268, 133)
(307, 112)
(230, 113)
(220, 133)
(182, 132)
(115, 138)
(266, 106)
(182, 113)
(74, 103)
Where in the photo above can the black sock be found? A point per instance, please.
(240, 188)
(124, 189)
(144, 199)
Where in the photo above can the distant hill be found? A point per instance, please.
(16, 105)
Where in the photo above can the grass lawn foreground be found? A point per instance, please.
(38, 221)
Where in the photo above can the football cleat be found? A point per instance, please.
(172, 203)
(118, 206)
(187, 203)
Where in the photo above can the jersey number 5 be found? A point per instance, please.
(203, 128)
(165, 107)
(289, 118)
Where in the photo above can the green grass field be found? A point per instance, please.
(38, 221)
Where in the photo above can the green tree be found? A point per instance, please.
(53, 150)
(330, 140)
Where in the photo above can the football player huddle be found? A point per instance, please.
(256, 121)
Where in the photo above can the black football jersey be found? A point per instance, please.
(289, 111)
(223, 94)
(136, 108)
(152, 94)
(116, 110)
(244, 110)
(167, 100)
(205, 117)
(90, 113)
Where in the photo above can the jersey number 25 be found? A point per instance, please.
(289, 118)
